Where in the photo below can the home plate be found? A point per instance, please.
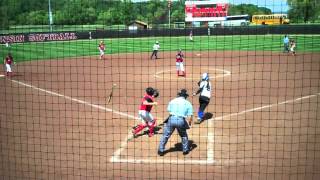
(198, 54)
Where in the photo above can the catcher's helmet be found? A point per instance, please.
(150, 91)
(155, 93)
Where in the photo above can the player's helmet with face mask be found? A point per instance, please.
(150, 91)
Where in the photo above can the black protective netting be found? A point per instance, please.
(69, 112)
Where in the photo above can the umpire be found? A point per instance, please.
(179, 109)
(205, 95)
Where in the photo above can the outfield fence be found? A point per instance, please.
(122, 33)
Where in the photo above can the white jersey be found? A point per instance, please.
(156, 47)
(206, 89)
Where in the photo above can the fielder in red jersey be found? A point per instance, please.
(8, 61)
(180, 64)
(101, 48)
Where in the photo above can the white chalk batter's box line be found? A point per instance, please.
(116, 155)
(210, 145)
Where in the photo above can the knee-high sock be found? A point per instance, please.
(200, 114)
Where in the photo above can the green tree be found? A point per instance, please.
(127, 12)
(178, 11)
(4, 20)
(249, 9)
(157, 11)
(305, 10)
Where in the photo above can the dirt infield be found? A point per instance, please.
(56, 124)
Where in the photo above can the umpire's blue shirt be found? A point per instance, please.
(286, 40)
(180, 107)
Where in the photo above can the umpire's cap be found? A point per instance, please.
(183, 93)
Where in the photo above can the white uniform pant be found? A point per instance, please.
(8, 68)
(101, 52)
(180, 66)
(146, 117)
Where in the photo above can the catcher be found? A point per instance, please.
(147, 102)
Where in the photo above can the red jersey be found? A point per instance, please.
(179, 58)
(149, 99)
(9, 60)
(101, 47)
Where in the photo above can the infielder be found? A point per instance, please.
(155, 49)
(147, 102)
(8, 61)
(191, 36)
(180, 64)
(205, 95)
(101, 48)
(293, 47)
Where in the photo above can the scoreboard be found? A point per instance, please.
(214, 10)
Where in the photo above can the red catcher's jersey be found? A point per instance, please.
(179, 58)
(9, 60)
(149, 99)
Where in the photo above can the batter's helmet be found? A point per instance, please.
(155, 93)
(205, 76)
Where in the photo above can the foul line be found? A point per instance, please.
(75, 100)
(210, 145)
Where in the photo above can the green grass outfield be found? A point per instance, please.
(65, 49)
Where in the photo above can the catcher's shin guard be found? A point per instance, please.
(139, 128)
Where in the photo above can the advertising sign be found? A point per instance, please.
(214, 10)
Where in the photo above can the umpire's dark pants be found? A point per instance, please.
(154, 53)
